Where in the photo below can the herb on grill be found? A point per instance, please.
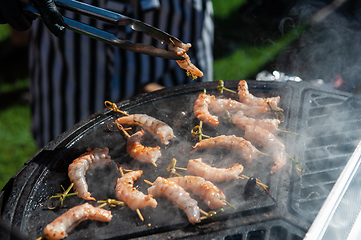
(61, 196)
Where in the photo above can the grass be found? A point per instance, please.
(4, 32)
(223, 9)
(247, 41)
(236, 57)
(249, 59)
(17, 144)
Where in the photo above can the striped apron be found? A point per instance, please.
(72, 76)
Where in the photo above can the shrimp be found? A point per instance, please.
(139, 152)
(181, 50)
(266, 139)
(131, 196)
(213, 174)
(220, 105)
(186, 64)
(201, 109)
(179, 197)
(60, 227)
(246, 97)
(240, 120)
(238, 144)
(77, 169)
(157, 128)
(207, 191)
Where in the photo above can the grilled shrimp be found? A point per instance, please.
(139, 152)
(179, 197)
(77, 169)
(246, 97)
(266, 139)
(213, 174)
(238, 144)
(240, 120)
(60, 227)
(131, 196)
(219, 105)
(156, 127)
(186, 64)
(207, 191)
(201, 111)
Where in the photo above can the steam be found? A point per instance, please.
(330, 48)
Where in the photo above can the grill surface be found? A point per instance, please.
(328, 124)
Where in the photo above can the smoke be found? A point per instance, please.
(330, 48)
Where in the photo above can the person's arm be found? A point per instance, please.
(12, 13)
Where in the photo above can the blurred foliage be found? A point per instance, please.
(223, 9)
(17, 144)
(246, 60)
(6, 87)
(249, 35)
(4, 32)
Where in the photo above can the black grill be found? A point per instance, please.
(328, 127)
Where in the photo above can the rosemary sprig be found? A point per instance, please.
(61, 196)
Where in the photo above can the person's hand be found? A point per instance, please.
(12, 13)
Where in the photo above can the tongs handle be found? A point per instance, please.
(89, 10)
(116, 19)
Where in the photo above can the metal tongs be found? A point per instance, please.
(115, 19)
